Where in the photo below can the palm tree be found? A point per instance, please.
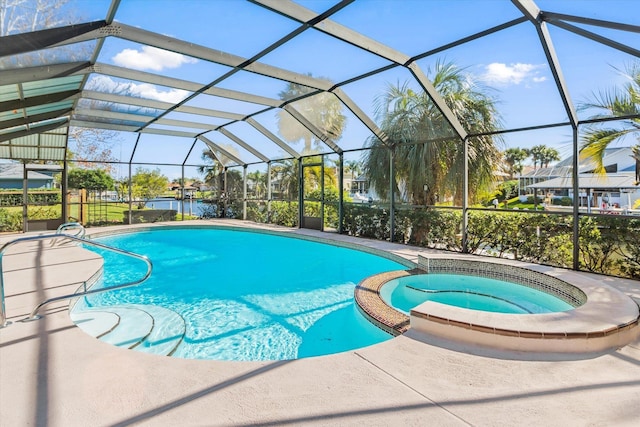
(549, 155)
(324, 110)
(212, 169)
(623, 101)
(353, 167)
(537, 153)
(259, 180)
(427, 152)
(286, 176)
(513, 157)
(313, 175)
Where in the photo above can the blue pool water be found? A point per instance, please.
(247, 296)
(472, 292)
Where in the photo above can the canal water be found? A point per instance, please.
(191, 207)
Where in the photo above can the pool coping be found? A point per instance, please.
(607, 319)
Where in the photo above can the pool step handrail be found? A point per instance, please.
(34, 313)
(80, 231)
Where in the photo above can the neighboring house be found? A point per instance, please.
(360, 191)
(535, 176)
(12, 175)
(615, 160)
(617, 189)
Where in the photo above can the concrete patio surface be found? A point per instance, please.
(54, 374)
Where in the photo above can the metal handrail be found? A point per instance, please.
(69, 225)
(81, 231)
(33, 315)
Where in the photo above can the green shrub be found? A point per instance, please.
(607, 244)
(530, 199)
(10, 221)
(284, 213)
(39, 197)
(563, 201)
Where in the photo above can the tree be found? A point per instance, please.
(537, 153)
(92, 147)
(513, 157)
(285, 175)
(211, 169)
(147, 185)
(234, 183)
(623, 101)
(323, 110)
(259, 181)
(427, 153)
(90, 179)
(549, 155)
(353, 167)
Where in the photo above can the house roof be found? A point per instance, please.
(610, 156)
(591, 181)
(553, 171)
(15, 171)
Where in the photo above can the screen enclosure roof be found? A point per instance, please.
(253, 81)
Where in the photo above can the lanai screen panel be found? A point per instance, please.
(258, 49)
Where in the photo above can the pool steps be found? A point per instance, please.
(166, 335)
(134, 327)
(96, 322)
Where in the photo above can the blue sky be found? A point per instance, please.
(510, 62)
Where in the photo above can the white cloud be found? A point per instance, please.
(513, 74)
(140, 90)
(151, 58)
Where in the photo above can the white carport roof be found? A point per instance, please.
(592, 181)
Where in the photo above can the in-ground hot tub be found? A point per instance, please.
(597, 317)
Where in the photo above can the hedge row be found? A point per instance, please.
(286, 213)
(607, 244)
(14, 198)
(11, 220)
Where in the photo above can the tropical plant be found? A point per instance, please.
(212, 169)
(513, 158)
(536, 155)
(259, 181)
(315, 175)
(285, 177)
(549, 155)
(429, 158)
(624, 101)
(353, 167)
(323, 110)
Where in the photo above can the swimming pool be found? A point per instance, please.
(471, 292)
(243, 295)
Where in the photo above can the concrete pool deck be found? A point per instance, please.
(54, 374)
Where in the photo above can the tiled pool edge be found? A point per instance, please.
(368, 301)
(567, 292)
(575, 331)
